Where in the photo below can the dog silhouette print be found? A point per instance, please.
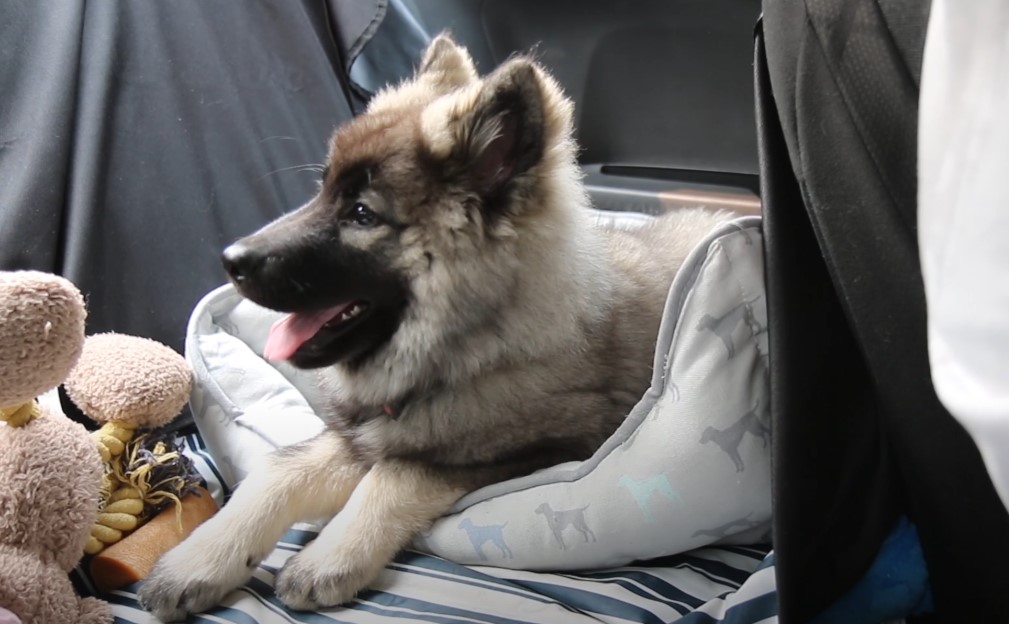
(730, 438)
(643, 490)
(480, 535)
(753, 322)
(725, 326)
(560, 520)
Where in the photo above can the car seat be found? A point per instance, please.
(860, 438)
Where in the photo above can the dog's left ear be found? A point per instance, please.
(494, 133)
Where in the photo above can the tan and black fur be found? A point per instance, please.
(504, 332)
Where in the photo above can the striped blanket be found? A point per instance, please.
(731, 584)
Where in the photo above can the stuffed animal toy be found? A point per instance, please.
(129, 384)
(151, 498)
(50, 471)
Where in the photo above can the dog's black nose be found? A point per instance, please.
(241, 262)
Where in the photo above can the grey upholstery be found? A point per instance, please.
(138, 138)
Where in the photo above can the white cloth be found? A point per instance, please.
(963, 218)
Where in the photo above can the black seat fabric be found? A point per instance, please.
(138, 139)
(860, 437)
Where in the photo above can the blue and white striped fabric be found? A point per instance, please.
(731, 585)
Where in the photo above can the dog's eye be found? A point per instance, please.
(362, 216)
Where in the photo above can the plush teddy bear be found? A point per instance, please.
(50, 470)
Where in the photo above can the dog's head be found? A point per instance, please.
(420, 200)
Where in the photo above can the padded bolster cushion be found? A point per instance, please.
(690, 466)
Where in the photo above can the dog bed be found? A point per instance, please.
(730, 584)
(688, 468)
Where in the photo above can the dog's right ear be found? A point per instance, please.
(446, 65)
(489, 134)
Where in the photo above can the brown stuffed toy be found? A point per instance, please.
(133, 387)
(128, 384)
(50, 470)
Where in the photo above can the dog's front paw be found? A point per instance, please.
(307, 583)
(172, 599)
(193, 577)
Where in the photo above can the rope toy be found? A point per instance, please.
(149, 474)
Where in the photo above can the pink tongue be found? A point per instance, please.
(294, 330)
